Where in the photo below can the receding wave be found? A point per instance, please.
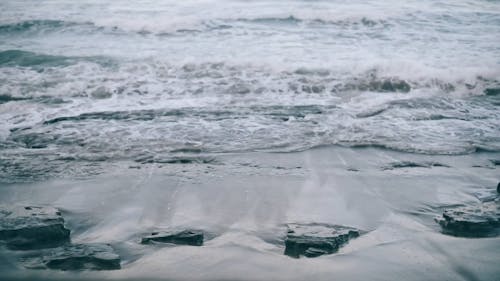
(299, 111)
(24, 58)
(44, 26)
(33, 25)
(31, 59)
(363, 21)
(289, 21)
(156, 113)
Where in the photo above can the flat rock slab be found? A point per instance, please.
(313, 240)
(482, 220)
(76, 257)
(486, 195)
(32, 227)
(190, 237)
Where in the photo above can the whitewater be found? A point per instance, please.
(238, 117)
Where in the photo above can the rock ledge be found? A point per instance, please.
(32, 227)
(76, 257)
(313, 240)
(482, 220)
(190, 237)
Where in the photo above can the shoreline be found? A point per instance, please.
(246, 198)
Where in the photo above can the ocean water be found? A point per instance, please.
(122, 98)
(147, 80)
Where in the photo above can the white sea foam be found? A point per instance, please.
(245, 76)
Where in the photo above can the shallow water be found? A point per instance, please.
(240, 116)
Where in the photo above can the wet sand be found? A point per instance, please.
(244, 201)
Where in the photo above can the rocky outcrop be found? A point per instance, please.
(31, 227)
(190, 237)
(313, 240)
(41, 230)
(76, 257)
(482, 220)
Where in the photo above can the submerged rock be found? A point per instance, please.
(492, 91)
(31, 227)
(392, 86)
(410, 164)
(485, 195)
(184, 237)
(482, 220)
(101, 93)
(313, 240)
(386, 85)
(77, 257)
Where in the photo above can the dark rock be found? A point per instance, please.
(481, 220)
(183, 237)
(498, 187)
(407, 164)
(27, 228)
(410, 164)
(77, 257)
(314, 240)
(148, 159)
